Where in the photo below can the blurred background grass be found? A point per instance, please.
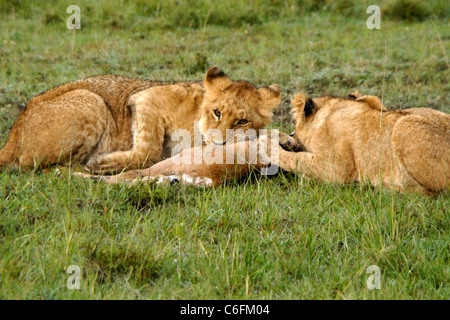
(172, 14)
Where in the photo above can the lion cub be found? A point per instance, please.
(358, 139)
(113, 123)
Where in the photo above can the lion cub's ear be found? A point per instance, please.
(270, 95)
(354, 95)
(302, 106)
(216, 80)
(373, 102)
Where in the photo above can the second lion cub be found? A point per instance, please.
(358, 139)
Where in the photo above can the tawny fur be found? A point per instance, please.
(113, 123)
(357, 139)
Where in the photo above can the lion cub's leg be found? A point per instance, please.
(127, 177)
(148, 139)
(314, 166)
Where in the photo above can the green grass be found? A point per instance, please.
(278, 238)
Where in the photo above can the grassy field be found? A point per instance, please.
(282, 237)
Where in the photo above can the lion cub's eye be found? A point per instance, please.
(217, 113)
(242, 122)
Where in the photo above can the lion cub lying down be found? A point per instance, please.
(113, 123)
(358, 139)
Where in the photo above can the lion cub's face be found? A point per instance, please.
(311, 114)
(234, 105)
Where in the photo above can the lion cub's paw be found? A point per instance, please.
(106, 179)
(185, 179)
(101, 163)
(289, 143)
